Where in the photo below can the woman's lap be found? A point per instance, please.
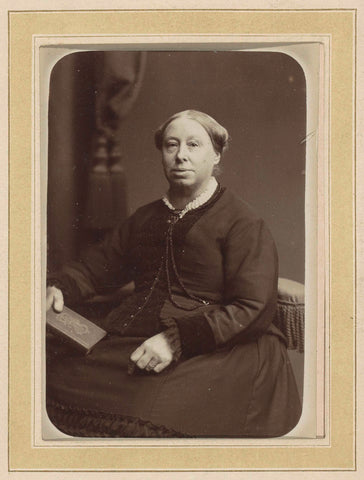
(244, 391)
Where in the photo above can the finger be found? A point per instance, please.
(144, 360)
(134, 357)
(49, 301)
(50, 297)
(161, 366)
(58, 302)
(152, 364)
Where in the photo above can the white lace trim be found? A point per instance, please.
(198, 201)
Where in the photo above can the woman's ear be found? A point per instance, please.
(217, 159)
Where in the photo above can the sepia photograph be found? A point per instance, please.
(183, 241)
(175, 243)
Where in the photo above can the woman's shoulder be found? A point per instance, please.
(144, 212)
(237, 218)
(149, 207)
(234, 208)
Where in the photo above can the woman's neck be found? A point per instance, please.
(180, 197)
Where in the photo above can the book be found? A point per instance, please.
(82, 333)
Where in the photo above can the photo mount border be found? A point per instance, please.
(331, 10)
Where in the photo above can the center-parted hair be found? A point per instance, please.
(218, 134)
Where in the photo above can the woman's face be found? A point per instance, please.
(188, 155)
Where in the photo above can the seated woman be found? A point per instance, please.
(193, 351)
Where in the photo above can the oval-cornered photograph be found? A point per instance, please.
(176, 244)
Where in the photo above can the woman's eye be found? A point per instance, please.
(193, 144)
(170, 145)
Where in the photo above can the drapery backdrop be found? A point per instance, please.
(104, 109)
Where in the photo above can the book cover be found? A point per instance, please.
(76, 328)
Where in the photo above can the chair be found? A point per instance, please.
(290, 315)
(290, 319)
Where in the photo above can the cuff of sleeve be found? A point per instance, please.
(172, 335)
(196, 335)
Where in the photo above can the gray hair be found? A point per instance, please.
(218, 134)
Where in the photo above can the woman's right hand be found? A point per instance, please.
(55, 299)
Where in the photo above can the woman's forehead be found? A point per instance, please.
(185, 127)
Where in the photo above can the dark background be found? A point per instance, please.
(260, 97)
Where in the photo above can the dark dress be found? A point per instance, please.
(212, 277)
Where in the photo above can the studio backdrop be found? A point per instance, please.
(105, 106)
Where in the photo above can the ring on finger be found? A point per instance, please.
(152, 364)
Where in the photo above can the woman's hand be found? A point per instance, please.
(153, 354)
(55, 299)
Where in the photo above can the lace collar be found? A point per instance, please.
(197, 202)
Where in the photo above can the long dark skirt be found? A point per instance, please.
(246, 391)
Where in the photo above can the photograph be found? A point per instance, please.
(183, 240)
(175, 247)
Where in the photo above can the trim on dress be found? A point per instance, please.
(82, 422)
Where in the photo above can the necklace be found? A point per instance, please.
(171, 260)
(169, 256)
(168, 263)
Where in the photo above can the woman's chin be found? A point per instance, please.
(181, 183)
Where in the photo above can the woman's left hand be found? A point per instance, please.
(153, 354)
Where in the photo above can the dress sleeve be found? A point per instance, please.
(251, 277)
(100, 266)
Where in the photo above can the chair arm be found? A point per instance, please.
(290, 313)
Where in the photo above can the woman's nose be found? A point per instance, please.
(182, 153)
